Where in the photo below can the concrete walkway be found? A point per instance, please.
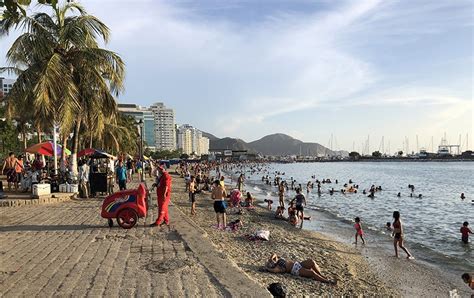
(67, 249)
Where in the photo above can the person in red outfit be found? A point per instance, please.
(163, 193)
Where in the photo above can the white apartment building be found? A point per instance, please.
(165, 135)
(5, 86)
(185, 140)
(191, 141)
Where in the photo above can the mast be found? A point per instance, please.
(417, 149)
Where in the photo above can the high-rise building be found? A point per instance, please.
(140, 113)
(191, 141)
(185, 140)
(165, 134)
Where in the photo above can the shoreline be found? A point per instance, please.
(409, 278)
(337, 260)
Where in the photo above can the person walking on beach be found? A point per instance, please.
(398, 235)
(465, 231)
(192, 195)
(240, 183)
(121, 175)
(300, 203)
(163, 196)
(129, 170)
(8, 169)
(84, 179)
(19, 169)
(219, 195)
(359, 231)
(281, 194)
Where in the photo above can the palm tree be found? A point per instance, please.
(62, 69)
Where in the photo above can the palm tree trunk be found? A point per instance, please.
(24, 140)
(75, 146)
(38, 131)
(90, 141)
(63, 153)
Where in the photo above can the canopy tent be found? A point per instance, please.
(46, 148)
(94, 153)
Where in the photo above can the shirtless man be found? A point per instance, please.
(218, 195)
(9, 169)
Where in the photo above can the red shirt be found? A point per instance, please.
(165, 182)
(465, 231)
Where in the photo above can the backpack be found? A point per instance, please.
(277, 290)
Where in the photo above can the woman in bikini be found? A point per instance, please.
(398, 235)
(307, 268)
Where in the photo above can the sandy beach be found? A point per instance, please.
(368, 272)
(337, 261)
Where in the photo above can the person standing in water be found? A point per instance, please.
(359, 231)
(281, 194)
(398, 235)
(240, 183)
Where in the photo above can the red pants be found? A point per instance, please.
(163, 210)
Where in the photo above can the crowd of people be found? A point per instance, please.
(211, 179)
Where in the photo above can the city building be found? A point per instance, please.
(140, 113)
(191, 141)
(185, 140)
(6, 85)
(165, 134)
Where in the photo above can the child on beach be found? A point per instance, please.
(359, 231)
(388, 226)
(465, 231)
(269, 203)
(279, 213)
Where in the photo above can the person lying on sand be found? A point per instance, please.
(307, 268)
(467, 278)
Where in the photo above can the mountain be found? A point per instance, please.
(275, 144)
(229, 143)
(211, 137)
(281, 144)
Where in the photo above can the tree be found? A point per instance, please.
(354, 155)
(376, 154)
(9, 141)
(62, 70)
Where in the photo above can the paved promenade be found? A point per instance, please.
(67, 249)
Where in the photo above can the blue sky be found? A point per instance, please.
(306, 68)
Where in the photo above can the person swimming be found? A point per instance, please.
(462, 196)
(399, 194)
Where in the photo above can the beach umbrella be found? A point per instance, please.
(94, 153)
(146, 157)
(46, 148)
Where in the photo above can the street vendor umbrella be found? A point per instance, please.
(94, 153)
(46, 148)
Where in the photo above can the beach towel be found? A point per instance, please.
(263, 234)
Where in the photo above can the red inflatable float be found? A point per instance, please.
(126, 206)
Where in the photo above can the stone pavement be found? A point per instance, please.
(67, 249)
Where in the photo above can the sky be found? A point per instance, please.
(353, 70)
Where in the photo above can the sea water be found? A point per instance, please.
(431, 223)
